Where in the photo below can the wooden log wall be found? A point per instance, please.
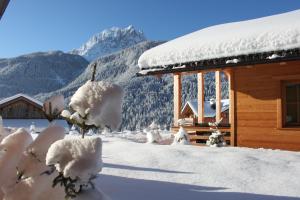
(21, 110)
(258, 106)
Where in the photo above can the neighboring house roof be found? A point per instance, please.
(17, 96)
(261, 40)
(208, 110)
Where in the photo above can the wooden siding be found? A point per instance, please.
(258, 106)
(21, 108)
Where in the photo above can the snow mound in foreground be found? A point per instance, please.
(100, 103)
(76, 158)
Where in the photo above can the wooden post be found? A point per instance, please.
(200, 97)
(232, 121)
(177, 98)
(218, 94)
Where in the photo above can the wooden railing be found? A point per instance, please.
(200, 134)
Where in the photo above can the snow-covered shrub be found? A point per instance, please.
(153, 135)
(33, 179)
(78, 161)
(216, 139)
(181, 137)
(96, 105)
(53, 107)
(99, 103)
(11, 148)
(32, 128)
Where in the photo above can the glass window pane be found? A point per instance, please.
(291, 113)
(291, 93)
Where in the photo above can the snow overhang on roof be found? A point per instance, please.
(8, 99)
(264, 40)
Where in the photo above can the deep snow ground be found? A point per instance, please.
(139, 171)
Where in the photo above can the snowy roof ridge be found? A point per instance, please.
(21, 95)
(273, 33)
(208, 110)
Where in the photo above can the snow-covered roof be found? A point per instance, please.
(208, 110)
(267, 34)
(18, 96)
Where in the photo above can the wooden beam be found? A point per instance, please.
(177, 98)
(200, 79)
(3, 5)
(218, 94)
(232, 102)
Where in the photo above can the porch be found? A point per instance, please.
(200, 131)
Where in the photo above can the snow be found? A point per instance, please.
(65, 114)
(11, 148)
(32, 183)
(133, 170)
(57, 105)
(8, 99)
(139, 171)
(233, 61)
(181, 137)
(208, 110)
(100, 103)
(76, 157)
(44, 139)
(109, 41)
(40, 124)
(272, 33)
(274, 56)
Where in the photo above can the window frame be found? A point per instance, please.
(284, 124)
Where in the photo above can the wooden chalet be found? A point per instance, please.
(261, 59)
(21, 106)
(190, 111)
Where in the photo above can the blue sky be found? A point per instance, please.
(41, 25)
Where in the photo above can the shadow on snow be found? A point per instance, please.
(121, 188)
(116, 166)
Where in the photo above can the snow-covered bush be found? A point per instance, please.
(216, 139)
(96, 104)
(53, 107)
(32, 178)
(99, 103)
(153, 135)
(78, 161)
(181, 137)
(32, 128)
(11, 148)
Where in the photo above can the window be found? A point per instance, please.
(291, 104)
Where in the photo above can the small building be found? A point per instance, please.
(261, 60)
(21, 106)
(190, 110)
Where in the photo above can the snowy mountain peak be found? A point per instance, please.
(109, 41)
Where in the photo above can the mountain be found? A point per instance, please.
(146, 98)
(109, 41)
(116, 52)
(38, 72)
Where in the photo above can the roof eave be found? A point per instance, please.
(217, 63)
(3, 6)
